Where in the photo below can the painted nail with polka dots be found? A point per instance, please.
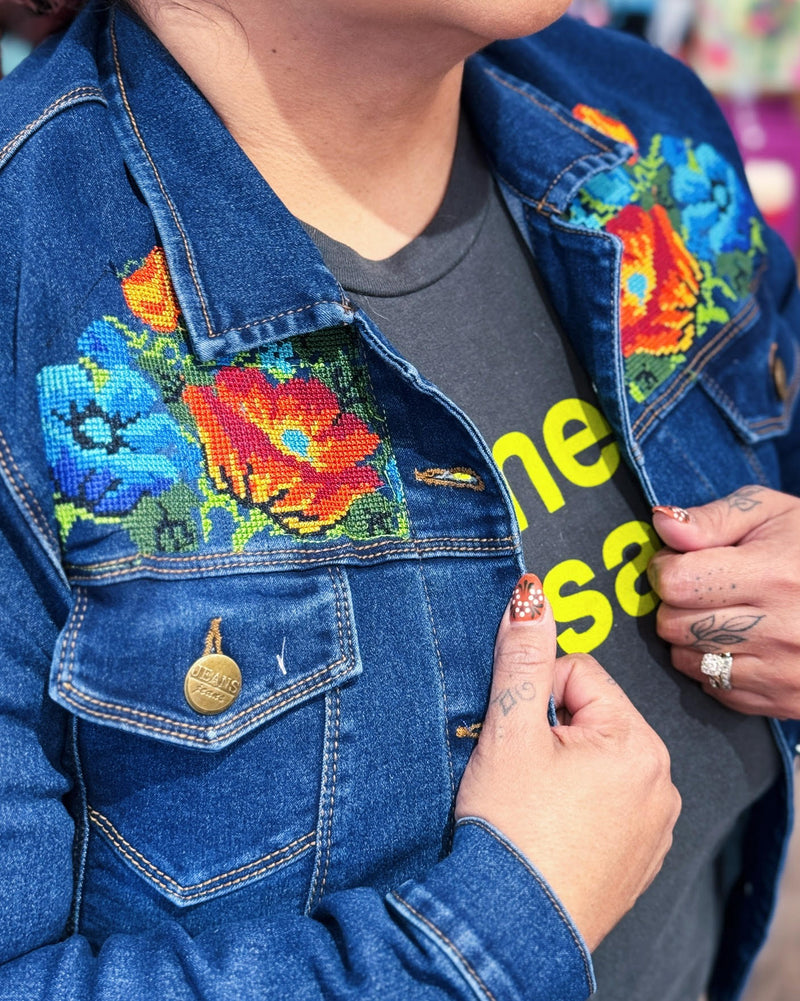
(527, 601)
(676, 513)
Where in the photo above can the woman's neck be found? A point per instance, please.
(352, 124)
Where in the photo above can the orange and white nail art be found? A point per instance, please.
(676, 513)
(527, 601)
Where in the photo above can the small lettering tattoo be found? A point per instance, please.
(710, 635)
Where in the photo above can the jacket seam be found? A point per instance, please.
(334, 772)
(329, 767)
(570, 124)
(27, 497)
(530, 199)
(442, 683)
(557, 905)
(173, 211)
(278, 316)
(324, 839)
(81, 836)
(560, 174)
(448, 942)
(78, 95)
(706, 354)
(500, 546)
(155, 557)
(168, 883)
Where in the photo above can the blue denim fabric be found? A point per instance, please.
(301, 843)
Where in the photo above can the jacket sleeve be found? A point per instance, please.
(783, 283)
(481, 924)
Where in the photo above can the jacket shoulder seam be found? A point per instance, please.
(78, 95)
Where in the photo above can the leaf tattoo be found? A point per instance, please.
(745, 499)
(709, 636)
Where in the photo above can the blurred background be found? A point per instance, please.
(748, 54)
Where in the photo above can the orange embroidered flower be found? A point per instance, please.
(660, 283)
(609, 126)
(148, 293)
(287, 448)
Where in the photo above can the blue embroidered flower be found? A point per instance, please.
(715, 206)
(613, 190)
(108, 437)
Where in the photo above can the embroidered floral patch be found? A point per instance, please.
(205, 457)
(692, 242)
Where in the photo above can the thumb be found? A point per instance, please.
(524, 663)
(724, 522)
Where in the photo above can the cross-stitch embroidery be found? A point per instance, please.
(691, 240)
(185, 456)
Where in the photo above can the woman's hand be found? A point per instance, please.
(729, 582)
(590, 803)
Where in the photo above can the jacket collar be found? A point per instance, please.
(244, 270)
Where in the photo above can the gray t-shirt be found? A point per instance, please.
(463, 302)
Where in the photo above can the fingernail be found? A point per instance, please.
(676, 513)
(527, 601)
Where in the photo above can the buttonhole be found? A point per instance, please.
(455, 476)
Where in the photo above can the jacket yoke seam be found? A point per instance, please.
(78, 95)
(500, 546)
(155, 557)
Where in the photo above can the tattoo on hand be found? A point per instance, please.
(745, 499)
(710, 635)
(509, 698)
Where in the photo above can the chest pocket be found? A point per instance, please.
(201, 803)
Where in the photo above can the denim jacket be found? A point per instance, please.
(255, 562)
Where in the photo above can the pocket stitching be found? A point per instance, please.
(124, 713)
(704, 355)
(126, 849)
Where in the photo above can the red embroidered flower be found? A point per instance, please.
(149, 295)
(609, 126)
(287, 448)
(660, 283)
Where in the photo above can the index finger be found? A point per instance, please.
(588, 692)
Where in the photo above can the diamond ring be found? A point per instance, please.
(717, 668)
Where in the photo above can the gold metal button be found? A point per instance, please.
(212, 683)
(779, 377)
(778, 371)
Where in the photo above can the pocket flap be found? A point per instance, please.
(127, 648)
(755, 381)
